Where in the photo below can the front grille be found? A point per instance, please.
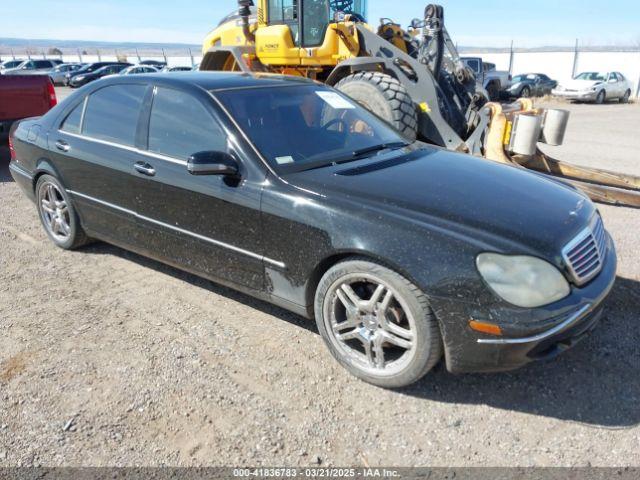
(585, 255)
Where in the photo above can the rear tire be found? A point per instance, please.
(58, 215)
(625, 98)
(601, 98)
(377, 324)
(386, 97)
(493, 89)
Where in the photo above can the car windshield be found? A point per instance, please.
(522, 78)
(592, 76)
(304, 127)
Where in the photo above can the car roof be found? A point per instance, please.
(220, 80)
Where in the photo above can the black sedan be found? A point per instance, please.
(81, 77)
(531, 85)
(289, 191)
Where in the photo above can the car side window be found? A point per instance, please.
(71, 124)
(112, 113)
(42, 64)
(180, 126)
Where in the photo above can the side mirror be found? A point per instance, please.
(213, 163)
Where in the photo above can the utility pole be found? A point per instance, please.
(576, 54)
(165, 57)
(511, 59)
(138, 55)
(193, 64)
(79, 55)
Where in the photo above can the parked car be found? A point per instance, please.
(154, 63)
(531, 85)
(33, 67)
(291, 192)
(83, 78)
(9, 64)
(92, 67)
(59, 74)
(494, 81)
(596, 87)
(23, 97)
(138, 69)
(176, 69)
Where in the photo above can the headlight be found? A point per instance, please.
(523, 281)
(79, 78)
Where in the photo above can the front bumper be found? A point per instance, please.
(577, 95)
(567, 324)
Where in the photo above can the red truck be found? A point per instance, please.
(24, 96)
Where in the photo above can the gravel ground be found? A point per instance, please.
(107, 358)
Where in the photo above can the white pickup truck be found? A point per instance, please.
(494, 81)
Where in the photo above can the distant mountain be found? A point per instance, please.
(21, 45)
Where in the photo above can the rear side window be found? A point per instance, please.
(72, 123)
(180, 126)
(112, 113)
(43, 64)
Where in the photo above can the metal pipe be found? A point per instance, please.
(245, 12)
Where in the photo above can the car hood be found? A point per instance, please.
(580, 84)
(472, 195)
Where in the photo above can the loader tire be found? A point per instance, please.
(386, 97)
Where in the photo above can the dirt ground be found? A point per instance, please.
(107, 358)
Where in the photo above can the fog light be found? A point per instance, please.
(484, 327)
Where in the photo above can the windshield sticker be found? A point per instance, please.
(284, 160)
(336, 101)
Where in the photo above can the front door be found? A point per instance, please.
(209, 225)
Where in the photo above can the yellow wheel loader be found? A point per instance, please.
(414, 79)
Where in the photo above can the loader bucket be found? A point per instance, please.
(508, 142)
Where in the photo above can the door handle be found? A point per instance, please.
(62, 146)
(145, 169)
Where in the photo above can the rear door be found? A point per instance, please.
(94, 150)
(208, 224)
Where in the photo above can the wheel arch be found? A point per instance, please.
(44, 167)
(355, 65)
(328, 262)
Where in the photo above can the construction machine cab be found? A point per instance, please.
(308, 20)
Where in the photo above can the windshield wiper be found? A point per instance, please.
(376, 148)
(355, 155)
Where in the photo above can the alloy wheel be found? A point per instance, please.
(55, 212)
(370, 325)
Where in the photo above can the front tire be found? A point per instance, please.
(625, 98)
(58, 215)
(525, 92)
(377, 324)
(601, 97)
(386, 97)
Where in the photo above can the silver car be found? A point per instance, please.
(59, 74)
(33, 67)
(595, 87)
(138, 69)
(9, 64)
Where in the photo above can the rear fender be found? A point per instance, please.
(45, 167)
(216, 59)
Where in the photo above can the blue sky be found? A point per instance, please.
(471, 23)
